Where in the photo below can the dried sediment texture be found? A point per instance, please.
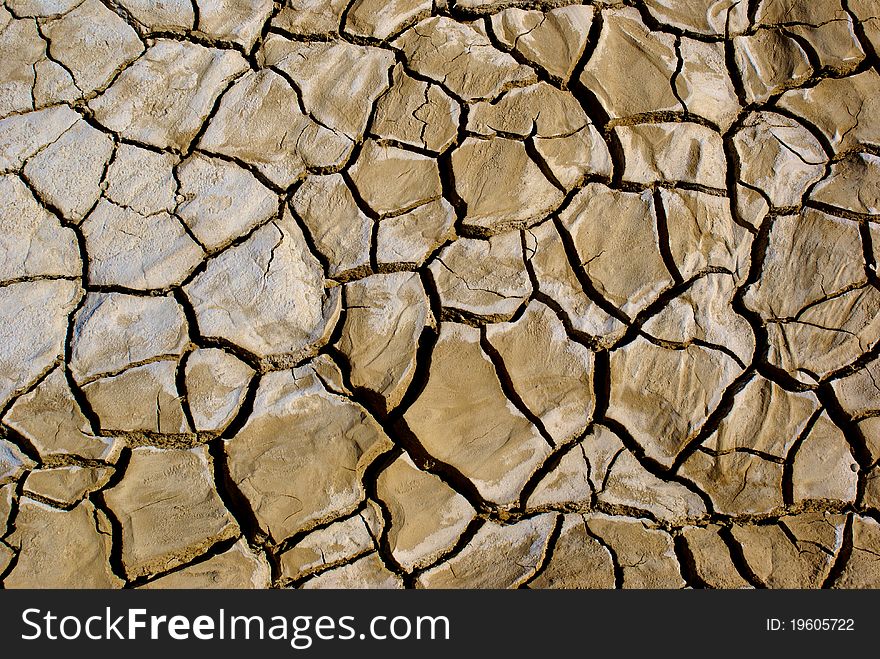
(450, 294)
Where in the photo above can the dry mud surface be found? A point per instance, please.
(439, 294)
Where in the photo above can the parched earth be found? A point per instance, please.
(402, 293)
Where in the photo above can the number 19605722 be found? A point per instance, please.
(811, 625)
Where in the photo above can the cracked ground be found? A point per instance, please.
(333, 293)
